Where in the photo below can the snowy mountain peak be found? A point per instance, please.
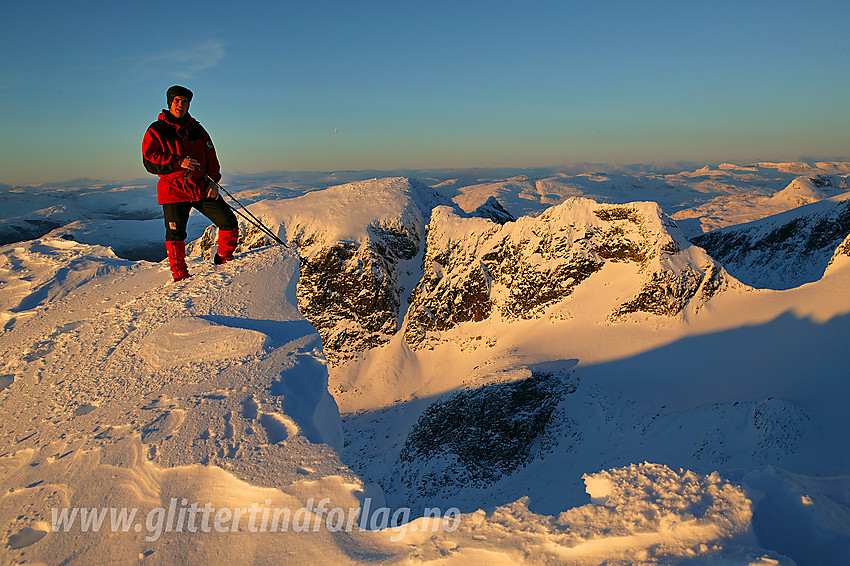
(510, 376)
(355, 242)
(784, 250)
(475, 269)
(804, 190)
(494, 211)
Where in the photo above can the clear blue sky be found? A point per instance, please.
(317, 85)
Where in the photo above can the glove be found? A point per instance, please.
(212, 191)
(189, 163)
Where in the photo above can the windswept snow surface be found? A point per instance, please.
(130, 390)
(202, 408)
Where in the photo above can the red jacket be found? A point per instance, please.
(164, 146)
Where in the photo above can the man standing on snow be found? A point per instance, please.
(178, 149)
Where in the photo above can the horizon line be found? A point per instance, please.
(578, 167)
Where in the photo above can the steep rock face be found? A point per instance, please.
(494, 211)
(785, 250)
(356, 250)
(357, 243)
(475, 268)
(350, 292)
(841, 255)
(472, 438)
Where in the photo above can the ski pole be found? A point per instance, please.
(259, 225)
(253, 219)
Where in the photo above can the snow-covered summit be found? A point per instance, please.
(475, 268)
(127, 390)
(804, 190)
(494, 211)
(357, 243)
(350, 213)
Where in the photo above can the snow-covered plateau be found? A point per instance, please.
(580, 366)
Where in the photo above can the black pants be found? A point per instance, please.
(177, 216)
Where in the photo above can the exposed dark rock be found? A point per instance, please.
(782, 251)
(821, 181)
(347, 282)
(474, 269)
(668, 293)
(494, 211)
(532, 288)
(474, 437)
(618, 213)
(27, 230)
(842, 250)
(352, 292)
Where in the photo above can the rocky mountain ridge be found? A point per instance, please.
(785, 250)
(475, 268)
(357, 243)
(421, 269)
(356, 283)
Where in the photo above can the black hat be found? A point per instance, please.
(177, 90)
